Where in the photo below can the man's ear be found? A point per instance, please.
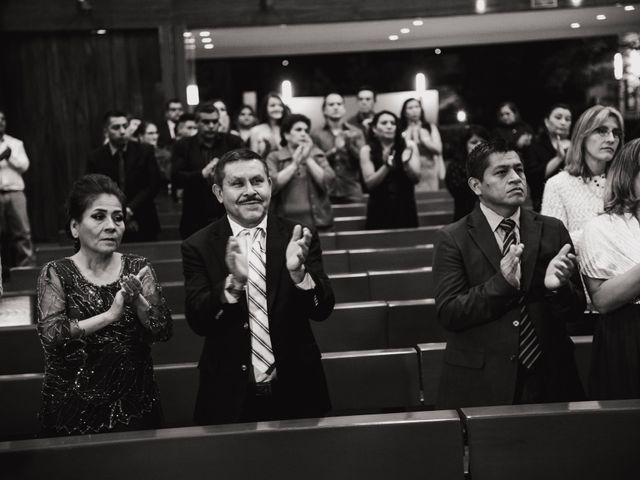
(217, 191)
(474, 185)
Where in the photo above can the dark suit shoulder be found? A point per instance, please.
(202, 236)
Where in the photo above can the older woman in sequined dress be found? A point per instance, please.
(98, 313)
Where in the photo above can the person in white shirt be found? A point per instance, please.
(14, 221)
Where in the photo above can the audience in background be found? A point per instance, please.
(186, 126)
(98, 313)
(511, 128)
(245, 121)
(147, 133)
(302, 177)
(192, 163)
(265, 137)
(575, 195)
(15, 230)
(547, 153)
(390, 169)
(610, 264)
(224, 125)
(415, 127)
(366, 102)
(457, 179)
(132, 127)
(167, 128)
(133, 167)
(341, 143)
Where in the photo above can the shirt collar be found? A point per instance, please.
(236, 228)
(494, 219)
(114, 150)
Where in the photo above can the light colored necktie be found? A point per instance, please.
(529, 345)
(261, 352)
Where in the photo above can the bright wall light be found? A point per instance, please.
(461, 116)
(634, 62)
(618, 66)
(421, 82)
(193, 95)
(481, 6)
(287, 91)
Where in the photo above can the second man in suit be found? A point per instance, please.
(507, 285)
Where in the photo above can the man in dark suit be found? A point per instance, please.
(506, 286)
(252, 303)
(193, 161)
(167, 129)
(133, 167)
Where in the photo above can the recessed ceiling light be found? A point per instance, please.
(438, 51)
(481, 6)
(601, 17)
(205, 34)
(208, 46)
(405, 30)
(576, 3)
(285, 63)
(575, 25)
(189, 41)
(190, 47)
(629, 8)
(418, 23)
(206, 40)
(187, 34)
(393, 38)
(101, 31)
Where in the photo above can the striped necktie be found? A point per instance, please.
(529, 347)
(262, 357)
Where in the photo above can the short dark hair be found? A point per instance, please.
(237, 155)
(206, 107)
(142, 128)
(289, 122)
(106, 118)
(185, 117)
(554, 106)
(478, 159)
(370, 89)
(170, 101)
(469, 131)
(512, 106)
(85, 190)
(324, 100)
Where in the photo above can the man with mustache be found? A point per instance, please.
(252, 282)
(507, 285)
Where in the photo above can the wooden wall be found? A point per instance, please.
(56, 87)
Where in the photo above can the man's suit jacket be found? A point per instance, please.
(164, 135)
(480, 310)
(142, 178)
(199, 205)
(225, 363)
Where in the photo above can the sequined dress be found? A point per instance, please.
(102, 381)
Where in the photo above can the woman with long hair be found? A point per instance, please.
(265, 137)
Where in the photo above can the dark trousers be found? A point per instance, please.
(262, 406)
(530, 386)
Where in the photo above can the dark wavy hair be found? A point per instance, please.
(263, 114)
(376, 147)
(404, 122)
(620, 194)
(84, 191)
(289, 122)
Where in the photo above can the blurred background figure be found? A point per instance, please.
(415, 127)
(147, 133)
(390, 169)
(187, 126)
(245, 121)
(516, 133)
(366, 101)
(302, 176)
(167, 128)
(457, 178)
(547, 153)
(265, 137)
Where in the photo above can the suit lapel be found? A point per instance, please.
(484, 238)
(276, 248)
(218, 239)
(530, 232)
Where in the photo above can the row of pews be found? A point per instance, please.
(382, 350)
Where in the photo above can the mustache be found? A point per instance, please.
(252, 198)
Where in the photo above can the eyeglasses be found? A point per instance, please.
(605, 131)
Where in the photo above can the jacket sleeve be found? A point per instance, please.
(152, 186)
(319, 300)
(460, 306)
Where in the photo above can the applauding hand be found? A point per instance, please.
(560, 269)
(510, 265)
(297, 252)
(236, 260)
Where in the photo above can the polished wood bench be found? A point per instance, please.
(372, 447)
(582, 440)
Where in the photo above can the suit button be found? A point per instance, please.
(243, 368)
(516, 323)
(245, 326)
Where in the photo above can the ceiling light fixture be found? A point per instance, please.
(629, 8)
(187, 34)
(481, 6)
(205, 34)
(418, 23)
(601, 17)
(208, 46)
(393, 38)
(575, 25)
(404, 30)
(206, 40)
(438, 51)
